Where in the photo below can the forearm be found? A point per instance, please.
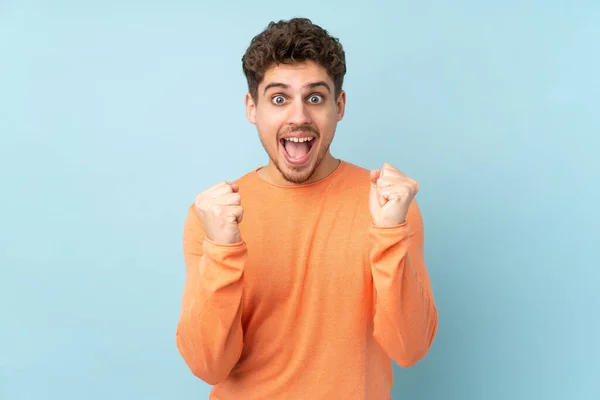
(209, 332)
(405, 320)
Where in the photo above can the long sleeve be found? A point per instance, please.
(406, 319)
(209, 333)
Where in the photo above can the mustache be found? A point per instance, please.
(300, 128)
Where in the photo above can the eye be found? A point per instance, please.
(315, 99)
(278, 100)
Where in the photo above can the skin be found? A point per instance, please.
(292, 96)
(390, 196)
(300, 96)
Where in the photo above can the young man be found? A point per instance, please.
(305, 277)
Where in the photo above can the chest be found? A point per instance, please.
(315, 250)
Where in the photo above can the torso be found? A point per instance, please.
(309, 303)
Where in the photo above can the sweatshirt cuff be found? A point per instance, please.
(228, 254)
(388, 235)
(389, 245)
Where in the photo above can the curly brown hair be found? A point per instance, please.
(294, 40)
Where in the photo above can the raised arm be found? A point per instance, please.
(209, 333)
(406, 317)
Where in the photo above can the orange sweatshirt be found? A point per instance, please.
(314, 303)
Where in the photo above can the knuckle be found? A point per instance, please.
(215, 209)
(201, 205)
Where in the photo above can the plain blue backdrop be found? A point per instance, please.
(115, 114)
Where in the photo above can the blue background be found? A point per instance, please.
(114, 114)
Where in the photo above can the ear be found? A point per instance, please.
(341, 105)
(250, 109)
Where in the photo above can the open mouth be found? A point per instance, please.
(297, 150)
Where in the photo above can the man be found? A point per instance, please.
(305, 277)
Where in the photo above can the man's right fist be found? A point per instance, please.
(219, 207)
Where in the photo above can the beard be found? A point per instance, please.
(298, 174)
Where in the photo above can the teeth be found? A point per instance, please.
(306, 139)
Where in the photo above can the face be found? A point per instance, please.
(296, 115)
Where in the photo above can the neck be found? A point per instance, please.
(327, 166)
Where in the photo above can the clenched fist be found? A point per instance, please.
(391, 195)
(219, 207)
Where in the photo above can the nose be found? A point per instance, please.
(299, 114)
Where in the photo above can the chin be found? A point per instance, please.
(297, 176)
(298, 170)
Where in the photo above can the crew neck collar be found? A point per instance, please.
(335, 172)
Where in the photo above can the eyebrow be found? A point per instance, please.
(310, 85)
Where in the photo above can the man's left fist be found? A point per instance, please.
(390, 196)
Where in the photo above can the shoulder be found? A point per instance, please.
(248, 178)
(354, 169)
(354, 173)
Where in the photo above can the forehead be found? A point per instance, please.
(295, 75)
